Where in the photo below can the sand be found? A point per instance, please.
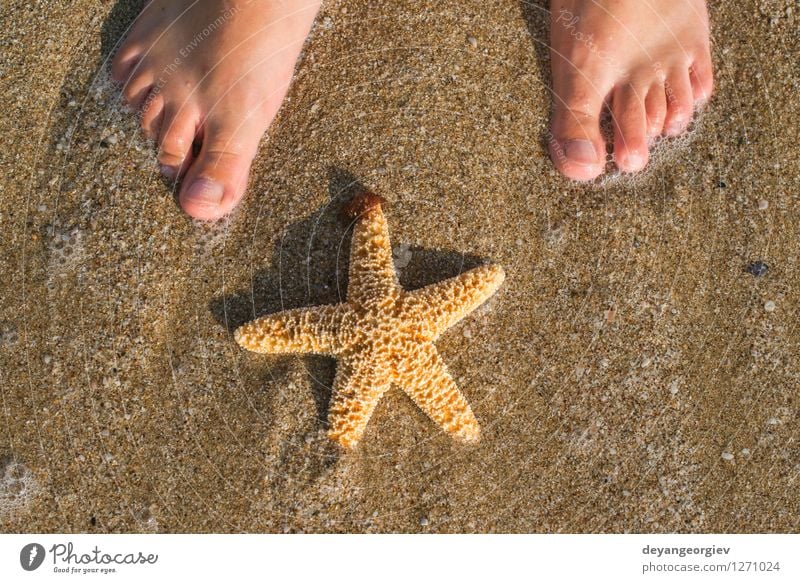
(630, 376)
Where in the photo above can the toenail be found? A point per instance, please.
(675, 127)
(205, 191)
(581, 151)
(634, 161)
(169, 171)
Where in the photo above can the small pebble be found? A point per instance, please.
(769, 306)
(472, 41)
(8, 335)
(47, 359)
(402, 256)
(727, 456)
(757, 268)
(763, 204)
(423, 521)
(745, 452)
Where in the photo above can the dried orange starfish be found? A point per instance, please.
(382, 335)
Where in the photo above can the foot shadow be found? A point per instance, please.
(117, 24)
(536, 14)
(89, 105)
(309, 268)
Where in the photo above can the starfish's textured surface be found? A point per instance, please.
(382, 335)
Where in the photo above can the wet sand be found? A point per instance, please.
(631, 375)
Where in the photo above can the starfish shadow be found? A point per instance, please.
(309, 268)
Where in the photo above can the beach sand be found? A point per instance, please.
(630, 376)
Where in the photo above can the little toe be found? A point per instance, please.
(217, 179)
(680, 102)
(178, 131)
(576, 146)
(702, 79)
(124, 63)
(655, 105)
(630, 128)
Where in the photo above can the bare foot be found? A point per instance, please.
(211, 73)
(648, 61)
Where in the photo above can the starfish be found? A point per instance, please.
(382, 335)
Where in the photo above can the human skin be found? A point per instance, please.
(648, 61)
(210, 75)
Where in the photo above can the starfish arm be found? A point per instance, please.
(299, 331)
(443, 304)
(372, 278)
(359, 384)
(424, 377)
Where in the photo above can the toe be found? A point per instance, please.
(576, 146)
(680, 102)
(217, 179)
(702, 79)
(630, 128)
(135, 91)
(152, 115)
(124, 63)
(655, 105)
(178, 131)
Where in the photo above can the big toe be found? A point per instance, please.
(576, 146)
(217, 179)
